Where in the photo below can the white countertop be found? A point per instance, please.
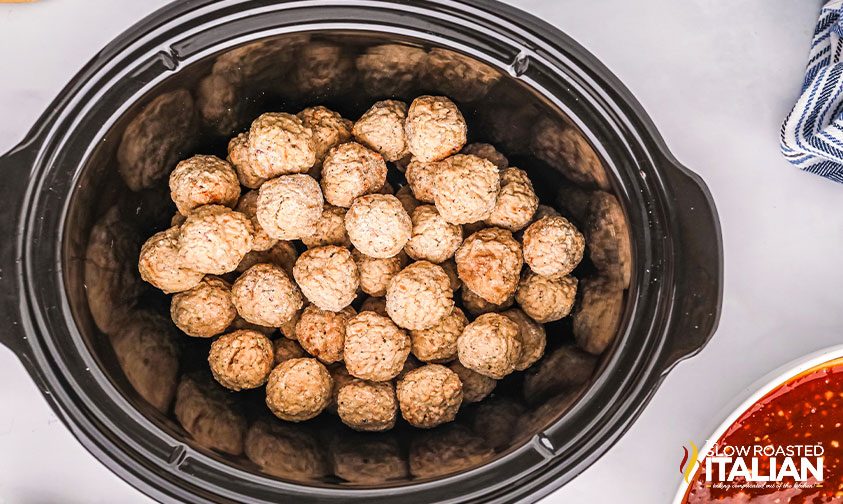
(717, 77)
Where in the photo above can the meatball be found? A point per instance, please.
(517, 201)
(214, 239)
(239, 157)
(421, 177)
(475, 386)
(288, 328)
(378, 226)
(202, 180)
(266, 296)
(241, 323)
(466, 188)
(429, 396)
(490, 346)
(553, 247)
(322, 333)
(248, 206)
(450, 267)
(433, 238)
(159, 263)
(439, 343)
(290, 206)
(327, 276)
(351, 170)
(339, 374)
(381, 128)
(375, 304)
(298, 389)
(476, 305)
(420, 296)
(408, 201)
(282, 253)
(367, 406)
(489, 263)
(532, 336)
(390, 69)
(487, 152)
(329, 129)
(546, 299)
(241, 359)
(375, 348)
(435, 128)
(375, 274)
(599, 314)
(329, 229)
(285, 349)
(280, 144)
(205, 310)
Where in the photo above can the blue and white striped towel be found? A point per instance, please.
(812, 134)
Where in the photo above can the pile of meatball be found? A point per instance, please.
(319, 228)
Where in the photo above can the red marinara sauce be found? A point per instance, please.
(805, 410)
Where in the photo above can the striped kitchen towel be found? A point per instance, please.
(812, 134)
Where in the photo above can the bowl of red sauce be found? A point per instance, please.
(782, 444)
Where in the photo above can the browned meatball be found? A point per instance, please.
(266, 296)
(329, 229)
(375, 274)
(490, 346)
(545, 299)
(429, 396)
(421, 177)
(439, 343)
(420, 296)
(517, 201)
(248, 206)
(239, 157)
(407, 199)
(280, 144)
(286, 349)
(466, 188)
(367, 406)
(375, 348)
(339, 375)
(378, 226)
(553, 247)
(487, 152)
(489, 263)
(351, 170)
(283, 254)
(381, 128)
(327, 276)
(475, 386)
(532, 336)
(159, 263)
(241, 359)
(203, 180)
(476, 305)
(298, 389)
(205, 310)
(375, 304)
(322, 333)
(214, 239)
(435, 128)
(329, 129)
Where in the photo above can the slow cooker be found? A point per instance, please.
(88, 184)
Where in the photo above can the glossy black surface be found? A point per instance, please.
(89, 185)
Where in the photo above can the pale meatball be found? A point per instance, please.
(378, 226)
(439, 343)
(266, 296)
(241, 159)
(205, 310)
(203, 180)
(489, 263)
(290, 206)
(517, 201)
(475, 386)
(476, 305)
(546, 299)
(280, 144)
(329, 229)
(329, 129)
(429, 396)
(433, 238)
(367, 406)
(450, 267)
(351, 170)
(322, 333)
(487, 152)
(214, 239)
(283, 253)
(421, 177)
(375, 348)
(375, 304)
(241, 359)
(599, 315)
(328, 277)
(490, 346)
(298, 389)
(376, 273)
(466, 188)
(159, 263)
(435, 128)
(248, 206)
(553, 247)
(408, 201)
(532, 336)
(381, 128)
(420, 296)
(285, 349)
